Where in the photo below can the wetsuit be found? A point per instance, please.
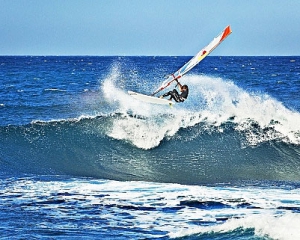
(176, 96)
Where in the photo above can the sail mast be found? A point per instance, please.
(195, 60)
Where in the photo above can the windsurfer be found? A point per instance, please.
(184, 89)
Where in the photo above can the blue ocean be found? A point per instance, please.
(81, 159)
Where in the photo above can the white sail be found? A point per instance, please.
(195, 60)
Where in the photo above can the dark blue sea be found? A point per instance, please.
(81, 159)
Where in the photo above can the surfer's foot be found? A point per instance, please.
(161, 96)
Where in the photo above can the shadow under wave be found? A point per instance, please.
(191, 156)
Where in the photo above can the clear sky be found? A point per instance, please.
(148, 27)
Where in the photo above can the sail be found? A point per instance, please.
(195, 60)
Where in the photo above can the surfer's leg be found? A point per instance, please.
(167, 94)
(175, 95)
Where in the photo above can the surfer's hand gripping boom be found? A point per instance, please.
(178, 83)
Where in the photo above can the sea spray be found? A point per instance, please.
(212, 100)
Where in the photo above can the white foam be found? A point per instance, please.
(212, 100)
(139, 123)
(283, 227)
(54, 90)
(266, 219)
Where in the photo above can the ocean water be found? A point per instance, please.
(82, 159)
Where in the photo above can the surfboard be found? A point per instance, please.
(183, 70)
(150, 99)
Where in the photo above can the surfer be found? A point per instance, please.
(184, 89)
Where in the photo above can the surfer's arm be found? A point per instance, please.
(178, 84)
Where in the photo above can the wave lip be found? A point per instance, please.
(213, 101)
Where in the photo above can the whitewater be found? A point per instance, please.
(79, 157)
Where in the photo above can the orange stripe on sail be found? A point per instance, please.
(227, 31)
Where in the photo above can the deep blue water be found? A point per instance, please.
(80, 158)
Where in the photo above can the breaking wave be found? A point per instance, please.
(221, 133)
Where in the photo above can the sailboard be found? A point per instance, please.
(191, 63)
(150, 99)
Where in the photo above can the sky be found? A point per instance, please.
(148, 27)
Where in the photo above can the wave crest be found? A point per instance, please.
(212, 101)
